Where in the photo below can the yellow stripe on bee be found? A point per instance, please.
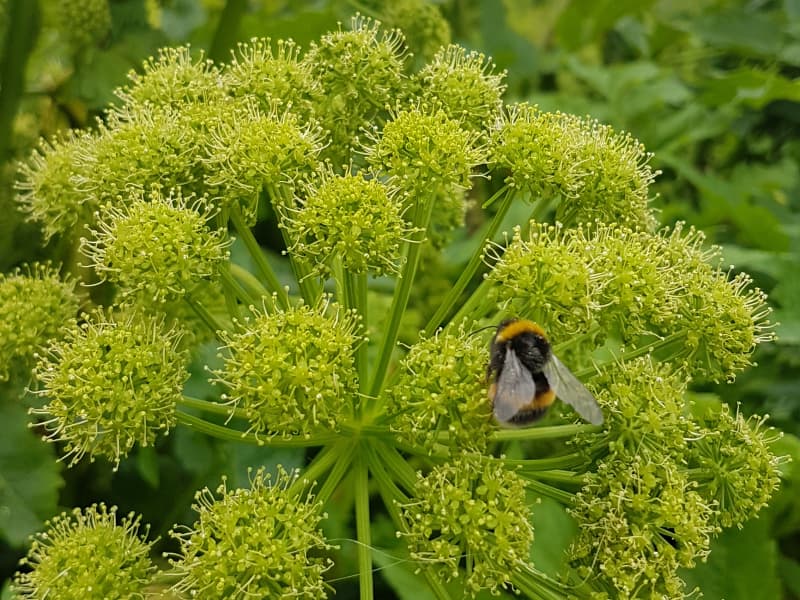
(515, 328)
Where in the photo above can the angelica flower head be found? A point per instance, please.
(596, 173)
(291, 371)
(442, 390)
(37, 305)
(262, 541)
(89, 553)
(362, 73)
(111, 382)
(464, 85)
(470, 509)
(156, 247)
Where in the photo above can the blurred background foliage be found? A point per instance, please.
(711, 87)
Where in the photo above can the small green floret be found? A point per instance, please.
(640, 519)
(733, 465)
(425, 28)
(441, 392)
(464, 85)
(114, 381)
(292, 371)
(36, 306)
(548, 277)
(49, 188)
(174, 79)
(273, 76)
(470, 522)
(261, 542)
(87, 554)
(84, 23)
(157, 248)
(361, 75)
(352, 219)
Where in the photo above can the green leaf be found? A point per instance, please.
(584, 21)
(749, 32)
(749, 86)
(401, 578)
(742, 565)
(790, 574)
(553, 531)
(29, 477)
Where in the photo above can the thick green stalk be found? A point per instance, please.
(345, 452)
(363, 532)
(261, 262)
(226, 433)
(214, 408)
(234, 288)
(402, 292)
(543, 433)
(472, 266)
(248, 281)
(205, 317)
(227, 32)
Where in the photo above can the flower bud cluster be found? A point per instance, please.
(259, 542)
(87, 554)
(474, 511)
(36, 306)
(112, 382)
(291, 371)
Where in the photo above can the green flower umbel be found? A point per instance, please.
(254, 543)
(87, 554)
(111, 383)
(36, 306)
(352, 219)
(471, 512)
(157, 248)
(442, 390)
(291, 371)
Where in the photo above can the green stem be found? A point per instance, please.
(309, 290)
(322, 462)
(536, 585)
(549, 491)
(226, 433)
(387, 488)
(344, 452)
(211, 407)
(643, 350)
(474, 263)
(421, 220)
(354, 288)
(556, 476)
(545, 464)
(249, 282)
(20, 32)
(361, 491)
(261, 262)
(399, 468)
(226, 34)
(234, 287)
(543, 433)
(206, 317)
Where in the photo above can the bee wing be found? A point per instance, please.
(570, 390)
(514, 389)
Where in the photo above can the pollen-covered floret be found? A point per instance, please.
(260, 542)
(87, 554)
(469, 521)
(112, 382)
(292, 371)
(36, 306)
(156, 247)
(442, 390)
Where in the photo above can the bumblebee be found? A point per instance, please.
(526, 377)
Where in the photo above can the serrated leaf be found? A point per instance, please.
(29, 477)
